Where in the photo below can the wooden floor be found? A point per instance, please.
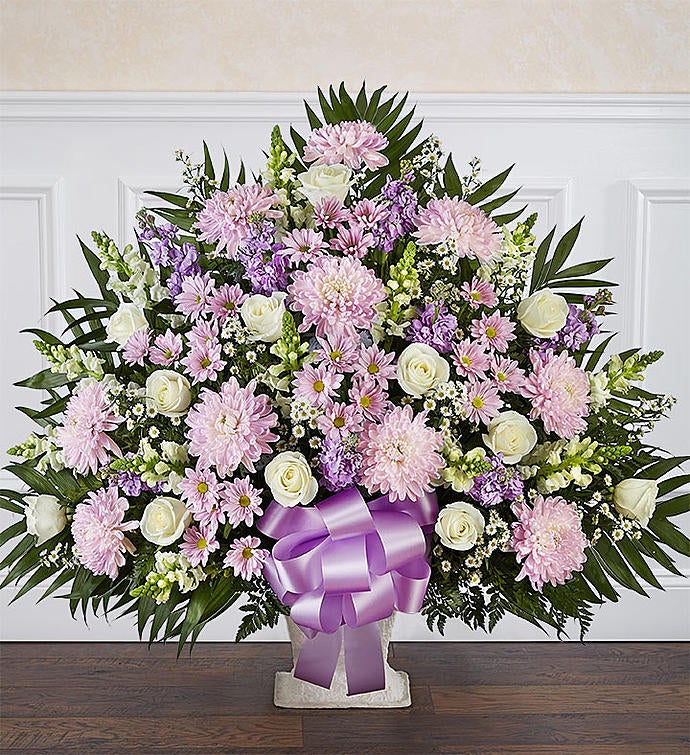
(468, 698)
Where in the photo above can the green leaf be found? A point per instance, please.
(326, 109)
(14, 530)
(347, 104)
(100, 276)
(508, 217)
(312, 117)
(225, 178)
(372, 107)
(563, 249)
(40, 575)
(46, 337)
(670, 535)
(596, 355)
(33, 479)
(612, 562)
(24, 565)
(177, 199)
(494, 204)
(25, 544)
(489, 187)
(299, 142)
(650, 548)
(43, 380)
(241, 176)
(451, 179)
(661, 467)
(579, 283)
(11, 506)
(665, 487)
(595, 575)
(361, 102)
(62, 578)
(675, 506)
(540, 260)
(208, 163)
(583, 269)
(632, 556)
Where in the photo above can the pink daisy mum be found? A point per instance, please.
(367, 213)
(224, 221)
(354, 241)
(231, 427)
(368, 396)
(494, 331)
(330, 212)
(98, 532)
(202, 493)
(375, 363)
(470, 359)
(400, 455)
(507, 375)
(482, 402)
(195, 296)
(241, 502)
(166, 348)
(548, 540)
(203, 362)
(559, 392)
(203, 332)
(198, 543)
(338, 351)
(469, 228)
(336, 295)
(339, 419)
(226, 301)
(245, 558)
(350, 142)
(137, 347)
(83, 435)
(479, 293)
(316, 385)
(304, 245)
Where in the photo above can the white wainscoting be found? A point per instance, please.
(74, 162)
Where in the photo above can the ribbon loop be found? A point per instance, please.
(341, 566)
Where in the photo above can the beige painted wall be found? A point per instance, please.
(291, 45)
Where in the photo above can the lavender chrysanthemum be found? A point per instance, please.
(498, 484)
(434, 326)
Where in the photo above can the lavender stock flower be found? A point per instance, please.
(434, 326)
(339, 463)
(499, 484)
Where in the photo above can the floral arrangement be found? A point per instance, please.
(357, 345)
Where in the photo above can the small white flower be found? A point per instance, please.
(154, 432)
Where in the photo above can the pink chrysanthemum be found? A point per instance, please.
(241, 502)
(494, 331)
(353, 241)
(469, 228)
(400, 455)
(507, 375)
(137, 347)
(98, 532)
(202, 493)
(470, 359)
(368, 396)
(338, 420)
(226, 214)
(330, 212)
(203, 332)
(482, 402)
(316, 385)
(227, 301)
(548, 540)
(166, 348)
(195, 296)
(245, 557)
(336, 295)
(350, 142)
(479, 293)
(231, 427)
(83, 435)
(559, 392)
(339, 351)
(198, 543)
(203, 362)
(367, 213)
(304, 245)
(376, 363)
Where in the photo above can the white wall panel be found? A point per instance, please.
(624, 162)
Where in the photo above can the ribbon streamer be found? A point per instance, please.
(341, 566)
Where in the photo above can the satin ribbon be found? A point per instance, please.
(341, 566)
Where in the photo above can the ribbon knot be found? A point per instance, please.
(341, 566)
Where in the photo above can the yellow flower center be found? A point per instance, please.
(319, 386)
(372, 369)
(365, 401)
(201, 544)
(339, 422)
(475, 296)
(205, 362)
(491, 332)
(244, 501)
(466, 360)
(202, 487)
(477, 402)
(229, 305)
(335, 354)
(501, 376)
(247, 553)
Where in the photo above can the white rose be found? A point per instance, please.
(164, 520)
(168, 393)
(289, 477)
(263, 316)
(510, 434)
(636, 499)
(420, 369)
(127, 320)
(325, 181)
(543, 314)
(459, 525)
(45, 517)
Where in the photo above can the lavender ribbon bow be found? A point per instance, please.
(341, 566)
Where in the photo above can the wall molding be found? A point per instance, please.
(131, 197)
(287, 106)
